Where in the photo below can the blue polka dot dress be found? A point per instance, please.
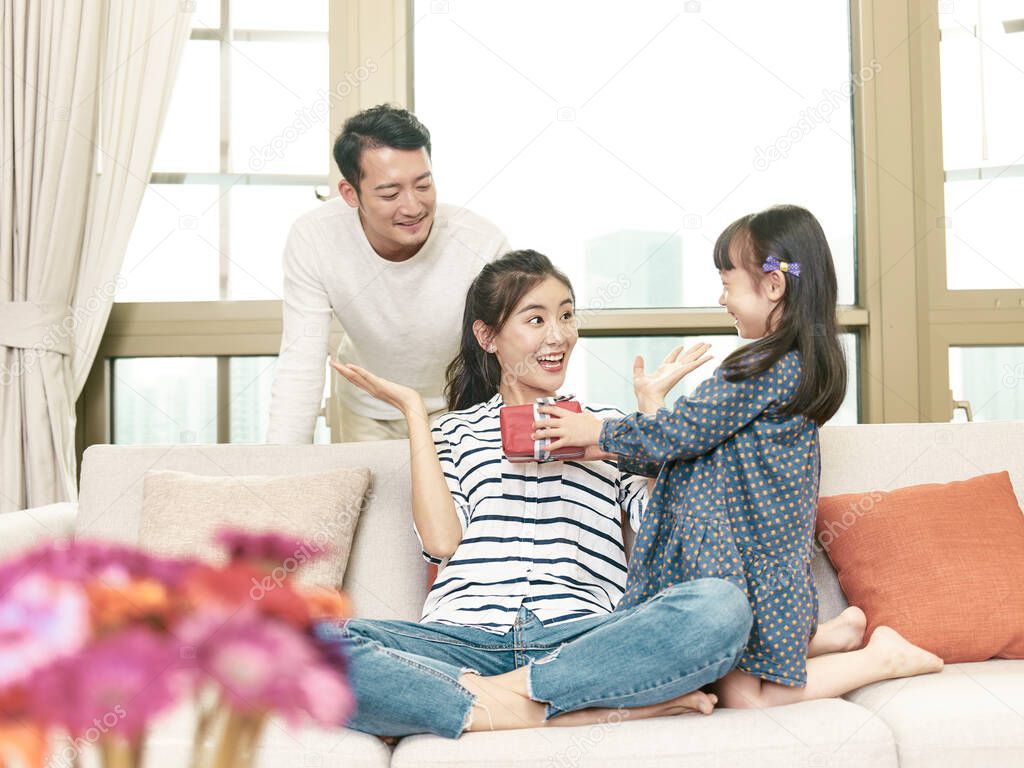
(735, 498)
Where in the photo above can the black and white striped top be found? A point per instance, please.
(544, 535)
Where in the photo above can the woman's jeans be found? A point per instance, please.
(405, 676)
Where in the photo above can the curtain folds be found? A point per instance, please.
(86, 84)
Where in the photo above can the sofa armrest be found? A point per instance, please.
(26, 528)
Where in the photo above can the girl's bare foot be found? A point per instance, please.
(899, 656)
(843, 633)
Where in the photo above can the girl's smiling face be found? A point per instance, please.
(534, 344)
(749, 299)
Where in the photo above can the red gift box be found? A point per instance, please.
(517, 426)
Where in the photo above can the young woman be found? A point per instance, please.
(532, 558)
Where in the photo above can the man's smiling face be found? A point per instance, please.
(396, 200)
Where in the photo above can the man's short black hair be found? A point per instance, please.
(381, 126)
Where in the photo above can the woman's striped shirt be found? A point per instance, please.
(546, 536)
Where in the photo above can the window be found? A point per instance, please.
(976, 293)
(609, 147)
(982, 70)
(623, 155)
(179, 400)
(245, 145)
(165, 400)
(990, 379)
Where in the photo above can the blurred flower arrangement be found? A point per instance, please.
(98, 639)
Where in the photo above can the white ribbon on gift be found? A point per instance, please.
(540, 447)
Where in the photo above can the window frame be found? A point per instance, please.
(972, 317)
(889, 258)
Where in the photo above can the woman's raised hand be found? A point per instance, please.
(651, 388)
(406, 399)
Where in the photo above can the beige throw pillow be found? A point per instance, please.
(182, 513)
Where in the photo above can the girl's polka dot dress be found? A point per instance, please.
(735, 499)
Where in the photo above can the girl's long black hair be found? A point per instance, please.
(475, 374)
(805, 318)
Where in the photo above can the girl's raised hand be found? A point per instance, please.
(651, 388)
(405, 399)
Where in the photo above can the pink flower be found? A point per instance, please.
(118, 685)
(82, 561)
(41, 620)
(265, 665)
(267, 546)
(238, 585)
(325, 695)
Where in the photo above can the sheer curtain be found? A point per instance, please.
(86, 84)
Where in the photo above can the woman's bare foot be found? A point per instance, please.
(688, 703)
(843, 633)
(502, 704)
(695, 701)
(899, 656)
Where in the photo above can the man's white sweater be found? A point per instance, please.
(402, 319)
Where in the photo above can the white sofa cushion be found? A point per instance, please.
(967, 716)
(829, 732)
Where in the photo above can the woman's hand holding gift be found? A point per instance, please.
(651, 388)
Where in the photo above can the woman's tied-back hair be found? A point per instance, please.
(475, 375)
(805, 318)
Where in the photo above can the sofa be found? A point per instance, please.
(967, 715)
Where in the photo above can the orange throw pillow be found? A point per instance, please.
(942, 564)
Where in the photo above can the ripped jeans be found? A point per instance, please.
(405, 675)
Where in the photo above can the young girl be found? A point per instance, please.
(519, 629)
(738, 469)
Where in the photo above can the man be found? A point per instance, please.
(392, 265)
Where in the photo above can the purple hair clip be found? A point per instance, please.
(772, 263)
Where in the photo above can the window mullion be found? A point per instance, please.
(224, 217)
(223, 204)
(223, 399)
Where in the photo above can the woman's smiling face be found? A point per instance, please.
(534, 345)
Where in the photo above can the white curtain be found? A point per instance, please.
(86, 85)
